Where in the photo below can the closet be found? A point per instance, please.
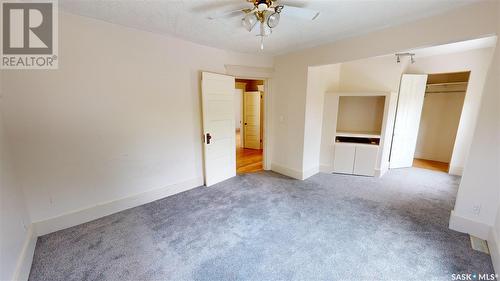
(440, 118)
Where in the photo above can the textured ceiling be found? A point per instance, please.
(187, 19)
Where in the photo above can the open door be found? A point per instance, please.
(219, 145)
(251, 121)
(410, 102)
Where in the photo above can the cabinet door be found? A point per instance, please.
(365, 160)
(343, 159)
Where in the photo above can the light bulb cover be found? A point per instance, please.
(249, 21)
(273, 20)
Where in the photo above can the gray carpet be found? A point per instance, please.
(268, 227)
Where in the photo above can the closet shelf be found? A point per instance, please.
(373, 135)
(447, 83)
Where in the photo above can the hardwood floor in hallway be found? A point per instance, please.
(247, 160)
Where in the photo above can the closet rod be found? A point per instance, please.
(451, 92)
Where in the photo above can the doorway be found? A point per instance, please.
(249, 125)
(443, 102)
(427, 119)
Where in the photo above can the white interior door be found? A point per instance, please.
(251, 121)
(219, 146)
(409, 110)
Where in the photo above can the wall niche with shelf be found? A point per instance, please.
(360, 116)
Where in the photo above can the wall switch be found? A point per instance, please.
(476, 209)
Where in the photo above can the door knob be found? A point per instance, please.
(245, 123)
(208, 138)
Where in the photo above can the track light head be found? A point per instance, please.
(399, 55)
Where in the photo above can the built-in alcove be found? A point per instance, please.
(360, 132)
(360, 116)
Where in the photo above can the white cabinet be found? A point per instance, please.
(365, 159)
(354, 158)
(343, 162)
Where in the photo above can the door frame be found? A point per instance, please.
(266, 138)
(251, 73)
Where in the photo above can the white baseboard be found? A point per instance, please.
(286, 171)
(454, 170)
(300, 175)
(466, 225)
(23, 266)
(111, 207)
(309, 173)
(326, 169)
(494, 247)
(383, 169)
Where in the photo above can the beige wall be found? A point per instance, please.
(360, 114)
(14, 218)
(480, 184)
(438, 126)
(477, 62)
(120, 117)
(320, 79)
(293, 120)
(382, 74)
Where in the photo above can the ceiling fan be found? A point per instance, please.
(267, 13)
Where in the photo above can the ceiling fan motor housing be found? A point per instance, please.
(262, 5)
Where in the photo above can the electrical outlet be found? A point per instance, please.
(476, 209)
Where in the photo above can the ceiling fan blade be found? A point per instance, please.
(299, 12)
(228, 14)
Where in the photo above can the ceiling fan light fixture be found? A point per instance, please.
(264, 30)
(273, 20)
(278, 9)
(249, 21)
(262, 5)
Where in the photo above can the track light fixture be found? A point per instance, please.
(411, 55)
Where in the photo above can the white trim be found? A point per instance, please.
(494, 247)
(259, 73)
(249, 71)
(309, 173)
(266, 138)
(455, 170)
(296, 174)
(286, 171)
(23, 266)
(111, 207)
(267, 152)
(384, 167)
(466, 225)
